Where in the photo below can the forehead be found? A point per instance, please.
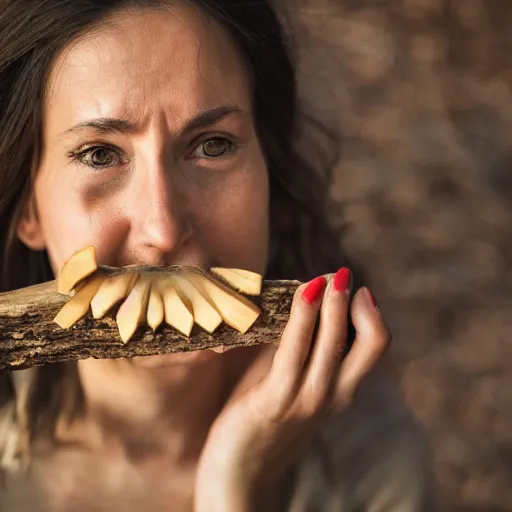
(174, 61)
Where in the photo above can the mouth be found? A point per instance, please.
(179, 297)
(196, 262)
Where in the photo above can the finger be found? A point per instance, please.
(287, 367)
(329, 345)
(372, 340)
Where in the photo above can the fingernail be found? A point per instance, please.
(372, 300)
(341, 280)
(314, 290)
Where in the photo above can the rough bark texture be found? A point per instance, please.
(29, 337)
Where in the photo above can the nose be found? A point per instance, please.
(160, 221)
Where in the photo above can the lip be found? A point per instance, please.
(134, 262)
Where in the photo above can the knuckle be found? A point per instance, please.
(305, 413)
(314, 405)
(348, 400)
(381, 337)
(317, 407)
(339, 353)
(276, 408)
(345, 399)
(385, 338)
(274, 414)
(283, 392)
(338, 357)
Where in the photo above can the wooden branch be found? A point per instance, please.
(29, 337)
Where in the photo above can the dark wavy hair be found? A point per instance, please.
(33, 32)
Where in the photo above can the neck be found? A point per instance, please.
(167, 403)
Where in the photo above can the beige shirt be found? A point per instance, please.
(372, 458)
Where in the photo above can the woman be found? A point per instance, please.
(162, 132)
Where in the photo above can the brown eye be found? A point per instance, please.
(216, 147)
(99, 157)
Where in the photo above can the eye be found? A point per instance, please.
(215, 147)
(99, 157)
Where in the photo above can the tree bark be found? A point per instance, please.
(29, 337)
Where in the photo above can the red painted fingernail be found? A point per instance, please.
(341, 280)
(314, 290)
(372, 299)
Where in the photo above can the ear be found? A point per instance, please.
(29, 227)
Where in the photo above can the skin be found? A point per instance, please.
(164, 198)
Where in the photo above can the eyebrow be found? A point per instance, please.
(109, 125)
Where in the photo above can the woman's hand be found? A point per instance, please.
(261, 432)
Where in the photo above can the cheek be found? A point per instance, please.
(235, 224)
(67, 222)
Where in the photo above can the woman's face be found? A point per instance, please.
(149, 149)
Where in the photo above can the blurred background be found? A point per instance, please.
(422, 92)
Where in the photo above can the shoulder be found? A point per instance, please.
(375, 456)
(9, 428)
(15, 493)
